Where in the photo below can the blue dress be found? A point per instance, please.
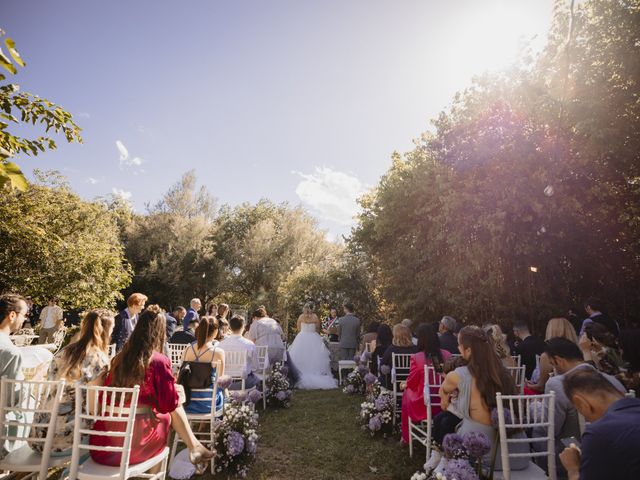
(201, 401)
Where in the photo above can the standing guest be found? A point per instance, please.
(348, 332)
(499, 342)
(556, 328)
(611, 442)
(212, 309)
(33, 314)
(223, 320)
(448, 339)
(50, 321)
(401, 343)
(126, 320)
(83, 361)
(187, 336)
(172, 322)
(369, 337)
(141, 363)
(574, 320)
(267, 332)
(235, 342)
(528, 346)
(194, 307)
(429, 353)
(329, 327)
(384, 338)
(593, 307)
(179, 313)
(13, 312)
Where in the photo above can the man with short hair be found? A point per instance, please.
(126, 320)
(610, 446)
(187, 336)
(194, 307)
(348, 332)
(528, 347)
(51, 321)
(593, 307)
(235, 342)
(448, 340)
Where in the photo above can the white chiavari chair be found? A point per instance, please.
(176, 352)
(400, 363)
(518, 375)
(421, 432)
(235, 366)
(261, 370)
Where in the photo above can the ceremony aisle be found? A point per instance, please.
(318, 437)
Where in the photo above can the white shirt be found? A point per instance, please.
(237, 343)
(50, 315)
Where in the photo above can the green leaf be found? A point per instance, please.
(11, 171)
(11, 46)
(6, 63)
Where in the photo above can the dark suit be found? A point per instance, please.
(122, 329)
(449, 342)
(171, 325)
(528, 349)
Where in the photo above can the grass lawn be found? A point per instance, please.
(319, 437)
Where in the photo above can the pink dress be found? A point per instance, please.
(413, 397)
(151, 429)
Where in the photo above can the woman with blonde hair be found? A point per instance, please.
(401, 343)
(499, 342)
(83, 360)
(556, 327)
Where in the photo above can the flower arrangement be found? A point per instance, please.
(354, 384)
(278, 389)
(236, 439)
(376, 414)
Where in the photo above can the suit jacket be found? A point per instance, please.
(122, 329)
(349, 328)
(449, 342)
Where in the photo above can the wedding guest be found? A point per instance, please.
(202, 357)
(528, 346)
(194, 307)
(179, 313)
(407, 322)
(141, 363)
(223, 316)
(593, 306)
(401, 343)
(172, 322)
(384, 338)
(126, 320)
(212, 309)
(610, 445)
(235, 342)
(328, 325)
(429, 353)
(370, 336)
(187, 336)
(348, 332)
(499, 342)
(51, 321)
(266, 331)
(448, 339)
(83, 361)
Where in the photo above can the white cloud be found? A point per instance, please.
(124, 195)
(92, 180)
(84, 115)
(125, 159)
(331, 193)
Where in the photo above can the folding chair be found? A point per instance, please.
(206, 436)
(526, 414)
(421, 432)
(261, 371)
(20, 400)
(518, 375)
(176, 352)
(115, 405)
(400, 363)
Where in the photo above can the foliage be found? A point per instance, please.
(22, 108)
(52, 243)
(535, 167)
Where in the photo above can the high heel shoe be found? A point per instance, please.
(201, 458)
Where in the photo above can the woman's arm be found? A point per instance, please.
(218, 357)
(165, 385)
(545, 371)
(450, 384)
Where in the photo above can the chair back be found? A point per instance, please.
(59, 336)
(235, 363)
(31, 372)
(210, 395)
(517, 359)
(432, 380)
(262, 356)
(176, 351)
(20, 400)
(114, 405)
(518, 375)
(533, 413)
(400, 364)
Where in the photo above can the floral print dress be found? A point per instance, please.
(92, 365)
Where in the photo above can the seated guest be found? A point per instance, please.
(179, 313)
(565, 357)
(594, 308)
(499, 342)
(201, 358)
(187, 336)
(141, 363)
(13, 312)
(384, 338)
(610, 446)
(429, 353)
(407, 322)
(267, 332)
(84, 361)
(527, 347)
(401, 343)
(448, 339)
(172, 323)
(235, 342)
(369, 337)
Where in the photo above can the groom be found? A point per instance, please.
(349, 332)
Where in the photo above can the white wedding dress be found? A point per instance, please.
(311, 360)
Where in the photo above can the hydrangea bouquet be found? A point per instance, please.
(236, 439)
(278, 388)
(376, 414)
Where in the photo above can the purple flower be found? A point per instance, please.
(375, 423)
(356, 358)
(370, 379)
(281, 395)
(284, 370)
(254, 396)
(366, 356)
(476, 443)
(251, 447)
(453, 445)
(224, 381)
(235, 443)
(362, 370)
(350, 388)
(238, 396)
(381, 402)
(385, 369)
(460, 470)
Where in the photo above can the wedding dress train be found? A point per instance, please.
(311, 360)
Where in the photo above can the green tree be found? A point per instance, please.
(52, 243)
(22, 108)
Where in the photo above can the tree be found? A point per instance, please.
(52, 243)
(22, 108)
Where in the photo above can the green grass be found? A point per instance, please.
(319, 437)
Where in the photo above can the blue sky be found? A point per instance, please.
(299, 101)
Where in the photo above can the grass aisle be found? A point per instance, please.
(319, 437)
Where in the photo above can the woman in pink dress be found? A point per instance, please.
(141, 363)
(429, 353)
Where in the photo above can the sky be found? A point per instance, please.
(297, 101)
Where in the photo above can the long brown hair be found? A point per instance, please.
(95, 333)
(207, 328)
(129, 367)
(490, 375)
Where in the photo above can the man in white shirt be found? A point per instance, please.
(50, 321)
(267, 332)
(235, 342)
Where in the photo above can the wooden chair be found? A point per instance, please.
(20, 401)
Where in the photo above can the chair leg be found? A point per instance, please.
(165, 463)
(175, 445)
(340, 375)
(410, 438)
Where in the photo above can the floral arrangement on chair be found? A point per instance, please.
(376, 413)
(355, 381)
(278, 388)
(236, 439)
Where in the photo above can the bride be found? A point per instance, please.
(309, 355)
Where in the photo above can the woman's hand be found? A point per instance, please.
(585, 345)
